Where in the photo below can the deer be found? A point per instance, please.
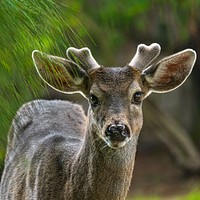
(56, 152)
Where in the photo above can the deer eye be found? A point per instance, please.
(137, 98)
(94, 100)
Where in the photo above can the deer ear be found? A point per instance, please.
(170, 72)
(59, 73)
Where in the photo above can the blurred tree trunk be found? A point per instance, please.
(194, 42)
(179, 143)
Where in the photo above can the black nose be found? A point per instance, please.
(117, 132)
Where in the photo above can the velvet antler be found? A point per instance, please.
(82, 57)
(145, 55)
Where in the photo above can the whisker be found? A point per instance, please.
(104, 147)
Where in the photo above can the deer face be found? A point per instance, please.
(115, 98)
(115, 95)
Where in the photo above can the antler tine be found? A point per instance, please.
(83, 57)
(145, 55)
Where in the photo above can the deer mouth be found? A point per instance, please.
(116, 144)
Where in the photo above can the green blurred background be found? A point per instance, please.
(169, 147)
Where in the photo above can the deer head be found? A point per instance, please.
(115, 94)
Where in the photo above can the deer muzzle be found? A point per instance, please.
(117, 134)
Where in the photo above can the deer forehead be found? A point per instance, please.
(117, 80)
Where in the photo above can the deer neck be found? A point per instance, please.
(99, 172)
